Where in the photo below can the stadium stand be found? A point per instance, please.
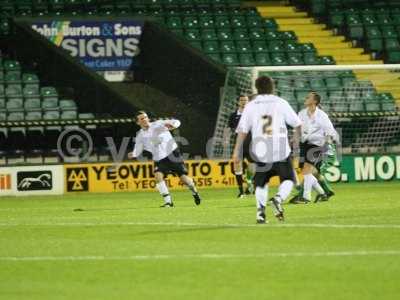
(229, 33)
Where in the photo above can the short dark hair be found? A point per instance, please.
(241, 96)
(316, 96)
(265, 85)
(138, 113)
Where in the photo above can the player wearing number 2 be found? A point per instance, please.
(267, 117)
(155, 137)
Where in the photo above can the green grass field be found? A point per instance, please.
(123, 246)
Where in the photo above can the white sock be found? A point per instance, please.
(317, 186)
(308, 183)
(261, 196)
(192, 187)
(163, 189)
(284, 190)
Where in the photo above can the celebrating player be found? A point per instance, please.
(317, 152)
(155, 137)
(233, 122)
(266, 116)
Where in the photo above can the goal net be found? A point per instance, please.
(361, 100)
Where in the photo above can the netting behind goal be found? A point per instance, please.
(361, 101)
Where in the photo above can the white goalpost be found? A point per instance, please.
(362, 101)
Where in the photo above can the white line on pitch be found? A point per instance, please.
(184, 224)
(201, 256)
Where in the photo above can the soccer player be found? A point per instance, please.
(267, 117)
(233, 122)
(317, 151)
(155, 137)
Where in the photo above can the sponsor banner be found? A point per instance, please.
(32, 180)
(364, 168)
(100, 45)
(6, 181)
(139, 176)
(38, 180)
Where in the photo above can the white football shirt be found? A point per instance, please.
(266, 116)
(156, 139)
(316, 127)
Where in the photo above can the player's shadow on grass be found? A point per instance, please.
(183, 230)
(111, 209)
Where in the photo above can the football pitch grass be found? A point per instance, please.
(123, 246)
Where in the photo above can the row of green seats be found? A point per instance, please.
(48, 115)
(226, 34)
(358, 32)
(205, 22)
(340, 19)
(332, 84)
(253, 46)
(308, 75)
(321, 7)
(286, 38)
(16, 77)
(36, 104)
(265, 59)
(99, 2)
(29, 91)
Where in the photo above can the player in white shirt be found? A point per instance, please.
(155, 137)
(316, 137)
(267, 117)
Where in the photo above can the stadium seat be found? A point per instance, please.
(86, 116)
(393, 57)
(240, 34)
(260, 46)
(48, 92)
(32, 104)
(211, 46)
(209, 35)
(246, 59)
(262, 59)
(33, 115)
(69, 115)
(31, 91)
(14, 104)
(51, 115)
(192, 34)
(230, 59)
(224, 34)
(67, 104)
(15, 116)
(227, 47)
(30, 79)
(243, 47)
(50, 104)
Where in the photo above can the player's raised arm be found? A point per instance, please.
(169, 124)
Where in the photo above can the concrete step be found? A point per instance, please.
(312, 33)
(322, 40)
(301, 27)
(295, 21)
(334, 45)
(341, 51)
(357, 62)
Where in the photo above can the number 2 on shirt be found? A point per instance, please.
(267, 122)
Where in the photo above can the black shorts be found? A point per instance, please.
(265, 171)
(172, 164)
(311, 154)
